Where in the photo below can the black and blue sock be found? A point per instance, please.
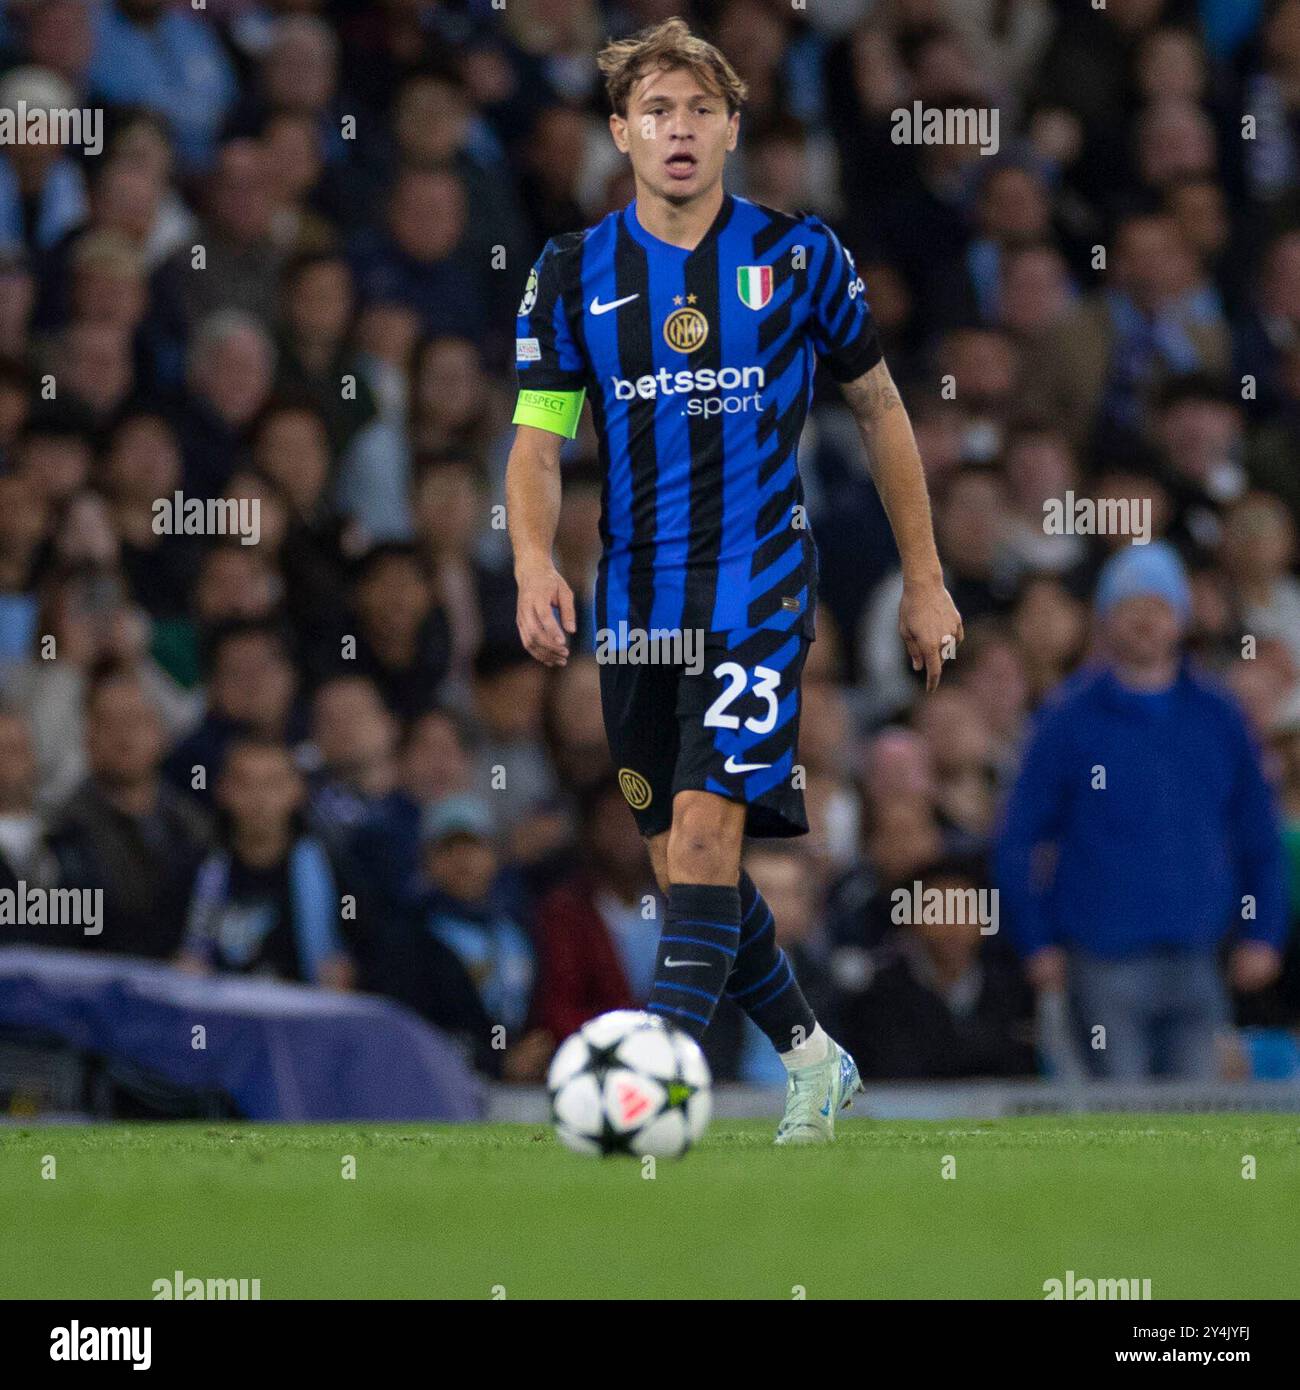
(762, 980)
(696, 950)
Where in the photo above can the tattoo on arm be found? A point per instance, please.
(872, 395)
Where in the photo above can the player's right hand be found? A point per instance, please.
(545, 614)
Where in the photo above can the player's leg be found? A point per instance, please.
(763, 983)
(762, 980)
(640, 707)
(701, 930)
(740, 738)
(823, 1078)
(739, 732)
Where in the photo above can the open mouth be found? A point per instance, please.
(680, 166)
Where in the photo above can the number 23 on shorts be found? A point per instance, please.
(763, 686)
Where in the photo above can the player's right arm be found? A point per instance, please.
(552, 386)
(533, 511)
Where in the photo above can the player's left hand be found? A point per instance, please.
(545, 614)
(931, 628)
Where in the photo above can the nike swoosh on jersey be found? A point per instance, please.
(731, 765)
(596, 308)
(672, 964)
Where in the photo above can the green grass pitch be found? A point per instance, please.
(502, 1211)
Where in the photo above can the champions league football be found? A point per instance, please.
(626, 1083)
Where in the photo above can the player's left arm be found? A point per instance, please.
(928, 619)
(845, 337)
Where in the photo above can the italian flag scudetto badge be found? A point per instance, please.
(754, 285)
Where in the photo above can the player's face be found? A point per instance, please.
(677, 134)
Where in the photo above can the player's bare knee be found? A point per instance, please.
(696, 830)
(690, 847)
(704, 844)
(696, 865)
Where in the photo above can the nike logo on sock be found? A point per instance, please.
(671, 964)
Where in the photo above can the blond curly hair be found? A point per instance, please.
(667, 46)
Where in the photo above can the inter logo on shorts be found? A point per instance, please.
(635, 788)
(754, 285)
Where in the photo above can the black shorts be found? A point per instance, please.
(728, 725)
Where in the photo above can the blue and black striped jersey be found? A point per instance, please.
(699, 368)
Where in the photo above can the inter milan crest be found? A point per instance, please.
(685, 330)
(754, 285)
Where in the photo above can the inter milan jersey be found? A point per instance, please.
(699, 367)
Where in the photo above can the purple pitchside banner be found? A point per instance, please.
(279, 1051)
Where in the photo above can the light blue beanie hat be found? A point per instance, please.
(1137, 570)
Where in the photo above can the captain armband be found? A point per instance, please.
(556, 411)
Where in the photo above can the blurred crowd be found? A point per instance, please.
(290, 278)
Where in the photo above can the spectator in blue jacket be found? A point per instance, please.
(170, 61)
(1140, 833)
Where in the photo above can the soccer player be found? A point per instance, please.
(692, 319)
